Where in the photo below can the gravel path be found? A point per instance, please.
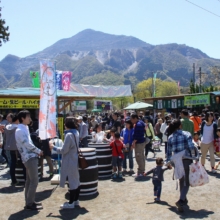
(126, 199)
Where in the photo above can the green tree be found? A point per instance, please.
(4, 34)
(162, 88)
(167, 88)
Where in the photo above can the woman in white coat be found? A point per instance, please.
(69, 167)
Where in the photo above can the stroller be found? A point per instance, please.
(156, 143)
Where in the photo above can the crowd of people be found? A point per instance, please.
(128, 135)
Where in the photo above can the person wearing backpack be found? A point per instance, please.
(150, 134)
(117, 155)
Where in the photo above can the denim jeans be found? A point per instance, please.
(8, 155)
(13, 166)
(130, 157)
(157, 188)
(148, 147)
(184, 181)
(165, 147)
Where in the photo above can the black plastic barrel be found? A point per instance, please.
(89, 176)
(19, 173)
(104, 156)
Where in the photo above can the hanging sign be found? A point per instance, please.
(66, 79)
(19, 103)
(197, 100)
(35, 79)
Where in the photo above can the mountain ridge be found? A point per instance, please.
(96, 54)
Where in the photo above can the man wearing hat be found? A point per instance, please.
(83, 132)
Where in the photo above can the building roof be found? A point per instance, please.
(35, 92)
(180, 96)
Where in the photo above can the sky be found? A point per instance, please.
(37, 24)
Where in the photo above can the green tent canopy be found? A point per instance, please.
(138, 105)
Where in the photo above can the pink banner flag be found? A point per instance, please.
(47, 114)
(66, 79)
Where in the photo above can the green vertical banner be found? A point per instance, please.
(155, 77)
(35, 79)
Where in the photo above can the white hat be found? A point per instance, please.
(79, 118)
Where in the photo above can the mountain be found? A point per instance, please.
(99, 58)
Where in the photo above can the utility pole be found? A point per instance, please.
(200, 79)
(152, 84)
(194, 74)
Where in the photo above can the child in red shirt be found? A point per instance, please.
(117, 155)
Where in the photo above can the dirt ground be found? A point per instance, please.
(125, 199)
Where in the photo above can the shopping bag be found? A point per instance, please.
(197, 175)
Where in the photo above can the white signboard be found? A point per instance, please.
(174, 103)
(159, 104)
(79, 105)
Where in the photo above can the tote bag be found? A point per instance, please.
(197, 175)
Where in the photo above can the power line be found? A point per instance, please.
(203, 8)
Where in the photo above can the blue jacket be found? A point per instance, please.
(139, 132)
(125, 133)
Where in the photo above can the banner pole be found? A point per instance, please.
(57, 115)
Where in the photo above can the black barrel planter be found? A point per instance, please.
(19, 173)
(104, 156)
(89, 176)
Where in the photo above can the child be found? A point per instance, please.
(117, 155)
(217, 147)
(112, 138)
(196, 140)
(158, 177)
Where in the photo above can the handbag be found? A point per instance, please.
(83, 164)
(197, 175)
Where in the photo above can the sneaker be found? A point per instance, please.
(114, 176)
(76, 203)
(186, 201)
(124, 171)
(214, 171)
(131, 171)
(14, 184)
(66, 205)
(137, 175)
(180, 205)
(33, 207)
(120, 175)
(157, 199)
